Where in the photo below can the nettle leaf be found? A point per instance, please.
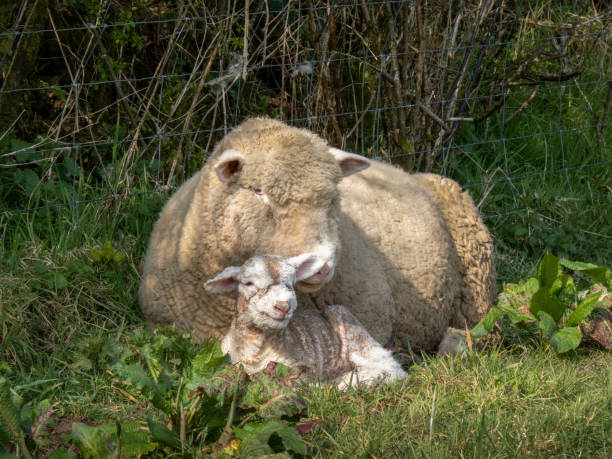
(547, 324)
(204, 364)
(599, 274)
(548, 270)
(91, 441)
(155, 392)
(585, 308)
(255, 438)
(135, 441)
(164, 435)
(565, 339)
(542, 300)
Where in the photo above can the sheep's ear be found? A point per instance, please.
(306, 265)
(349, 163)
(225, 282)
(229, 165)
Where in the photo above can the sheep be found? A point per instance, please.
(408, 254)
(266, 327)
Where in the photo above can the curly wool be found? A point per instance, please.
(412, 255)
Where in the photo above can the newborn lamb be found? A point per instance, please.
(323, 345)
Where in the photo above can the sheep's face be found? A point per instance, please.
(266, 298)
(281, 197)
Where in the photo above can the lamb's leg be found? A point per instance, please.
(372, 362)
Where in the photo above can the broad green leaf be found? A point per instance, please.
(515, 316)
(599, 274)
(208, 359)
(91, 441)
(486, 324)
(565, 339)
(135, 440)
(544, 301)
(547, 324)
(548, 270)
(157, 393)
(164, 435)
(204, 364)
(255, 438)
(10, 429)
(585, 307)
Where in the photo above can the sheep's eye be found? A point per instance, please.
(249, 284)
(257, 190)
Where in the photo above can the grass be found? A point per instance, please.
(61, 310)
(498, 404)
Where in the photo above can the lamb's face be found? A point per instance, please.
(266, 296)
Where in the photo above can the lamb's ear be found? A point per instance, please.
(224, 282)
(229, 165)
(306, 265)
(349, 163)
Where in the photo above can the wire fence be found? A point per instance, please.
(104, 97)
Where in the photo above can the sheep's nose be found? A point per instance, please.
(325, 269)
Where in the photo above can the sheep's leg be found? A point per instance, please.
(370, 360)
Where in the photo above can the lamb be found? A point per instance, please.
(323, 345)
(408, 254)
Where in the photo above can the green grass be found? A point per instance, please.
(527, 403)
(60, 308)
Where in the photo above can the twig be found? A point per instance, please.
(523, 106)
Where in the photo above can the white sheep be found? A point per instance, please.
(408, 254)
(323, 345)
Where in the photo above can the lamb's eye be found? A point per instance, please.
(249, 284)
(257, 190)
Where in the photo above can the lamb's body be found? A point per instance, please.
(327, 345)
(409, 254)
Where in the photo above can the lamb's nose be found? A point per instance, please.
(282, 307)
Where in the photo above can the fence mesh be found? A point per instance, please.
(104, 100)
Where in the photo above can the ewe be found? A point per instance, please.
(407, 253)
(323, 345)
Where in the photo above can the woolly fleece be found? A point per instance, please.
(412, 256)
